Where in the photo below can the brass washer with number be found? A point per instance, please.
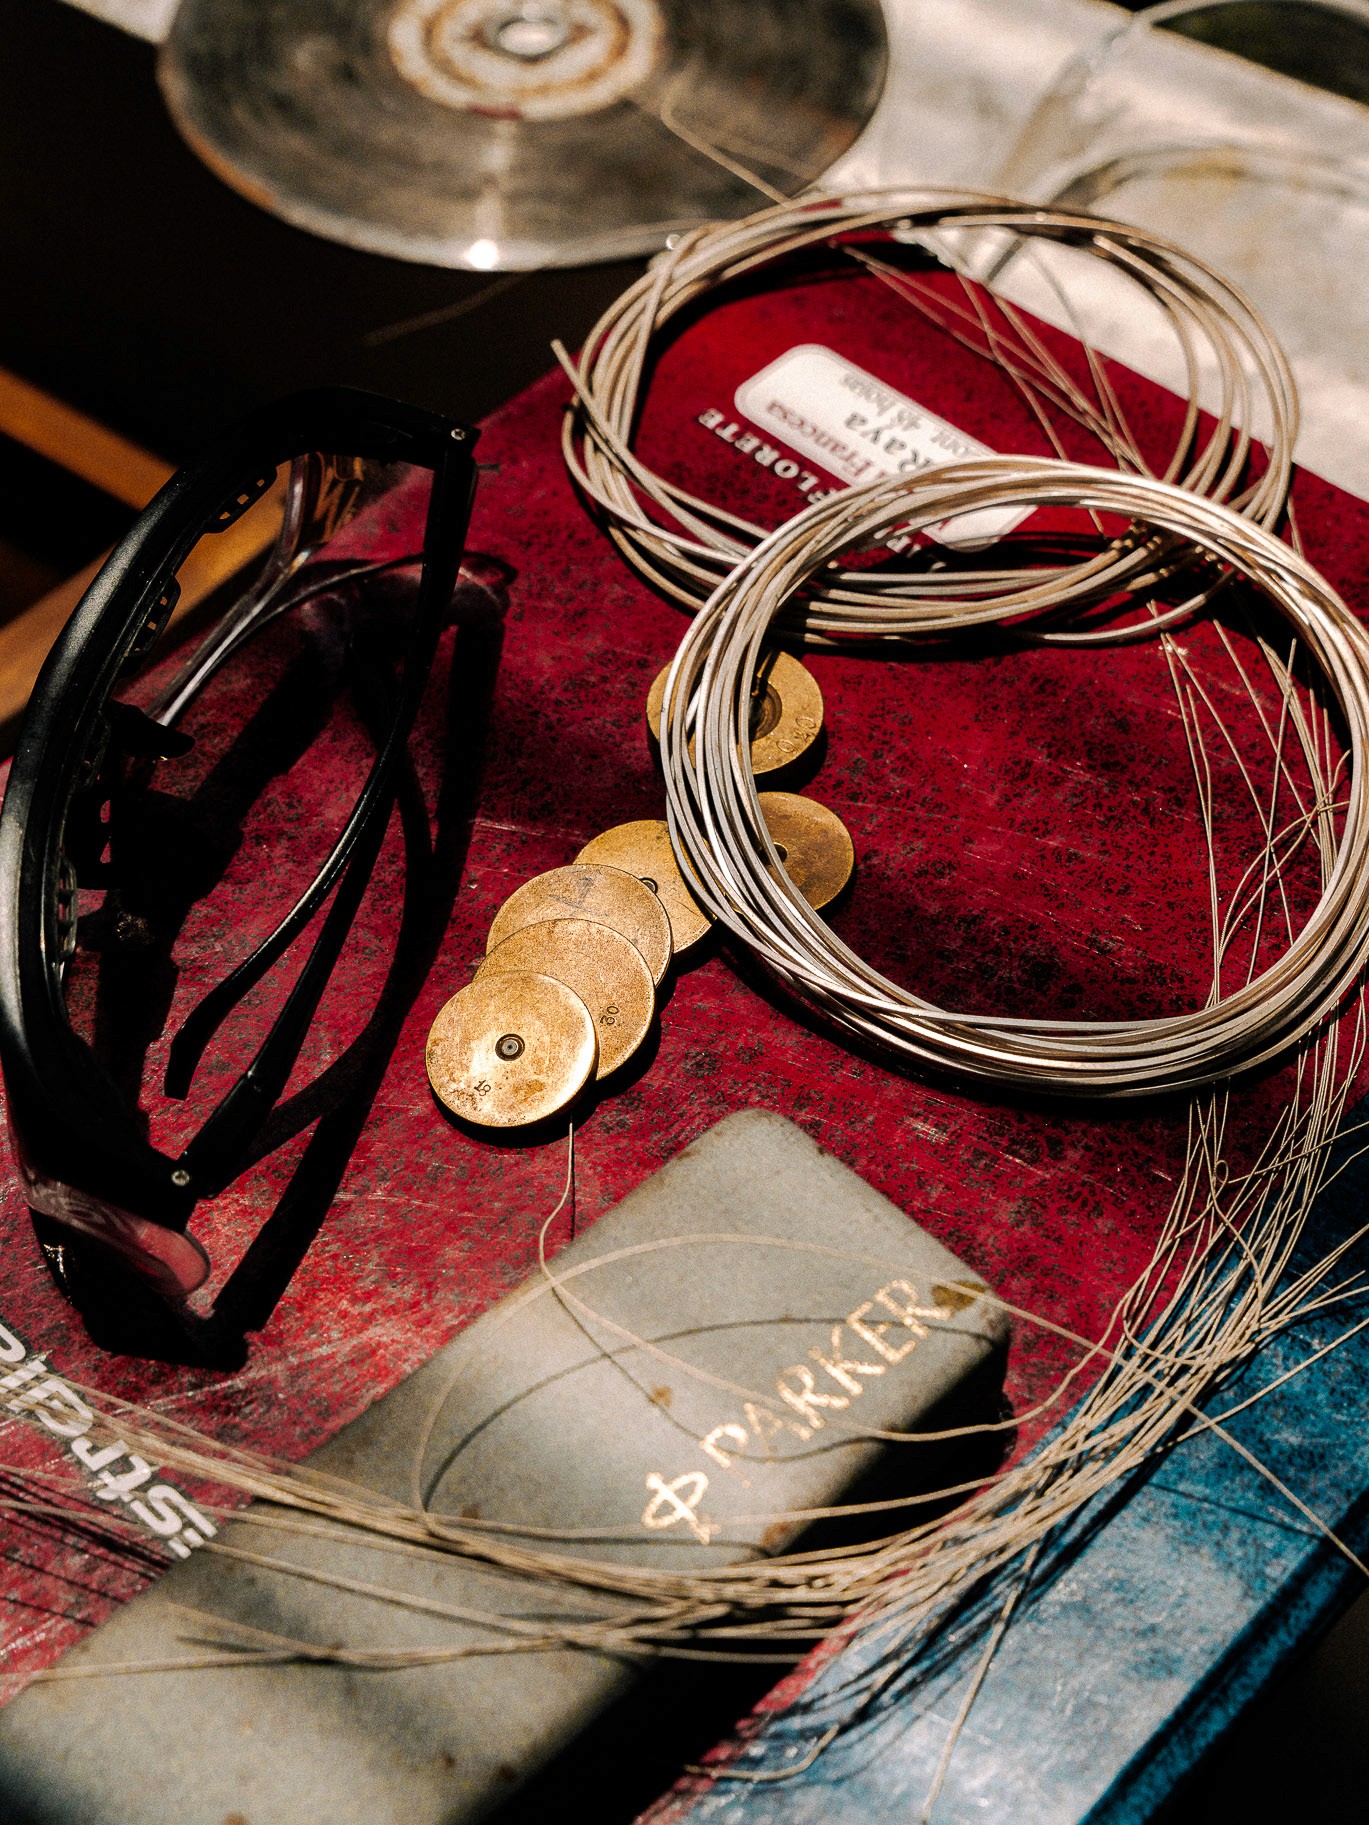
(786, 715)
(510, 1049)
(643, 848)
(815, 846)
(601, 966)
(609, 896)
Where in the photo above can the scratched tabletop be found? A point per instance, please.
(1027, 838)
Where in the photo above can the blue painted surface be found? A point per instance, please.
(1147, 1633)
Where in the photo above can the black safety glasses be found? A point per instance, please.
(110, 811)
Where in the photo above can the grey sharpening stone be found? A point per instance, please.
(546, 1417)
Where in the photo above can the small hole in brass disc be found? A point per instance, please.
(785, 716)
(644, 849)
(812, 843)
(511, 1049)
(605, 969)
(766, 710)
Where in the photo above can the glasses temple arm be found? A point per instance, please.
(201, 1024)
(204, 1020)
(213, 1157)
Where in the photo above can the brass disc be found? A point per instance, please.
(786, 711)
(608, 896)
(600, 966)
(511, 1049)
(644, 848)
(816, 848)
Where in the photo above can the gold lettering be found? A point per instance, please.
(955, 1295)
(873, 1334)
(805, 1399)
(677, 1502)
(766, 1424)
(842, 1369)
(908, 1310)
(711, 1445)
(674, 1502)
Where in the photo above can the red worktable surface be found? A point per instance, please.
(1027, 836)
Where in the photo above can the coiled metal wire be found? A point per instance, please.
(723, 842)
(686, 546)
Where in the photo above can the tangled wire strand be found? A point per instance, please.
(1220, 1283)
(1221, 1280)
(723, 842)
(686, 546)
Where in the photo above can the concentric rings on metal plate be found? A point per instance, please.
(516, 134)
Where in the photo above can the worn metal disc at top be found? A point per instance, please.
(511, 1049)
(815, 846)
(643, 848)
(609, 896)
(519, 133)
(786, 711)
(603, 968)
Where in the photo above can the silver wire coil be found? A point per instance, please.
(724, 845)
(686, 546)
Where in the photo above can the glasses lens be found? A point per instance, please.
(230, 758)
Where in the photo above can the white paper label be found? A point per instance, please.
(858, 429)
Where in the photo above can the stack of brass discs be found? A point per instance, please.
(565, 995)
(566, 992)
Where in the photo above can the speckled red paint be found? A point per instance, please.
(1014, 817)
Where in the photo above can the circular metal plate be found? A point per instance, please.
(538, 60)
(644, 848)
(600, 965)
(519, 133)
(511, 1049)
(815, 846)
(608, 896)
(786, 712)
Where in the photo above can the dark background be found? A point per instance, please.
(139, 288)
